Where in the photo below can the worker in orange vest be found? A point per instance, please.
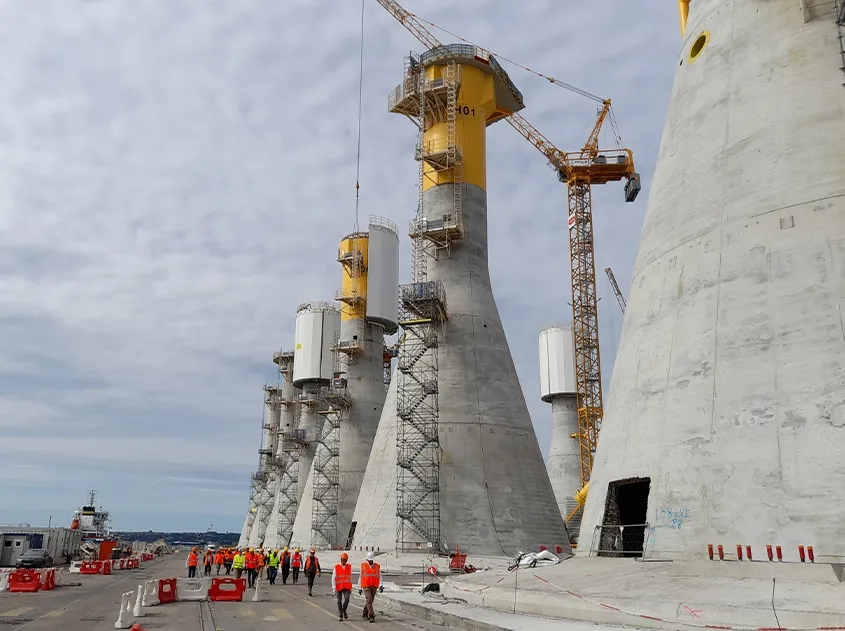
(261, 558)
(312, 568)
(251, 565)
(295, 563)
(368, 583)
(228, 559)
(207, 560)
(191, 564)
(285, 565)
(342, 585)
(218, 560)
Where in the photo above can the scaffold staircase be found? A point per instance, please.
(335, 403)
(352, 302)
(428, 101)
(422, 315)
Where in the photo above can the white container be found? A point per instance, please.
(557, 361)
(383, 273)
(317, 327)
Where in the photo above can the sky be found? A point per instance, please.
(175, 176)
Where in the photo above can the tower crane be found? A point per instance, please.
(579, 170)
(615, 287)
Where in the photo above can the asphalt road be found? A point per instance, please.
(94, 605)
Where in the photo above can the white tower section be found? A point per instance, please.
(383, 274)
(557, 386)
(726, 416)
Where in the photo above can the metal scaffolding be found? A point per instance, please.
(292, 440)
(352, 301)
(422, 315)
(336, 403)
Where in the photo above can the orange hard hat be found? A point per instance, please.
(344, 556)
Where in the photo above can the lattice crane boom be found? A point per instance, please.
(410, 22)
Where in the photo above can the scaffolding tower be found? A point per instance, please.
(292, 440)
(422, 316)
(335, 403)
(426, 102)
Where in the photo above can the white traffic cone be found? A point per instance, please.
(256, 597)
(137, 611)
(125, 619)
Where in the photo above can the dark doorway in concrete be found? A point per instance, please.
(351, 535)
(623, 528)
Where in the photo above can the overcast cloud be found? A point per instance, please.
(174, 179)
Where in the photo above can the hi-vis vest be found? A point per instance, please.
(273, 560)
(343, 577)
(192, 559)
(370, 575)
(238, 561)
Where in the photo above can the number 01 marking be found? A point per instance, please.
(465, 110)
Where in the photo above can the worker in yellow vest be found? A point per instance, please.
(272, 565)
(238, 563)
(342, 585)
(368, 583)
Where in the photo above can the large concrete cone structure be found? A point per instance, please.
(557, 386)
(285, 447)
(471, 471)
(268, 475)
(354, 399)
(726, 416)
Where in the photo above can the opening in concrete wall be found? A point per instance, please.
(351, 535)
(624, 525)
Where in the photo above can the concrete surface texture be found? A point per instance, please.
(728, 391)
(365, 383)
(495, 494)
(564, 462)
(665, 595)
(246, 529)
(277, 522)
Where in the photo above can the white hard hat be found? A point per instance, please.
(370, 556)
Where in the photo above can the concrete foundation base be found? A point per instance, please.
(663, 595)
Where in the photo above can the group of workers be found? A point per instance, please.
(255, 561)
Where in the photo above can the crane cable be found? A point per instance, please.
(549, 78)
(360, 111)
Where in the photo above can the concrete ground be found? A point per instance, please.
(93, 606)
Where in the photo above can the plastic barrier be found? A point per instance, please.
(132, 563)
(91, 567)
(192, 588)
(4, 582)
(151, 588)
(25, 581)
(167, 591)
(122, 564)
(75, 567)
(60, 577)
(106, 567)
(125, 619)
(227, 589)
(138, 609)
(48, 578)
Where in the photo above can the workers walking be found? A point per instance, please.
(272, 565)
(260, 555)
(192, 562)
(368, 583)
(207, 561)
(342, 585)
(312, 569)
(239, 562)
(285, 565)
(218, 560)
(295, 563)
(251, 565)
(228, 559)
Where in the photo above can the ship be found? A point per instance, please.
(98, 541)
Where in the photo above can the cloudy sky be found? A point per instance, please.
(174, 179)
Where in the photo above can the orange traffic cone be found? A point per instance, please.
(137, 627)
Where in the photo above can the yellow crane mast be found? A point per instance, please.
(579, 170)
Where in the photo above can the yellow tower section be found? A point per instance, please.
(353, 257)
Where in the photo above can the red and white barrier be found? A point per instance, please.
(22, 580)
(125, 619)
(167, 591)
(91, 567)
(4, 581)
(227, 589)
(75, 567)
